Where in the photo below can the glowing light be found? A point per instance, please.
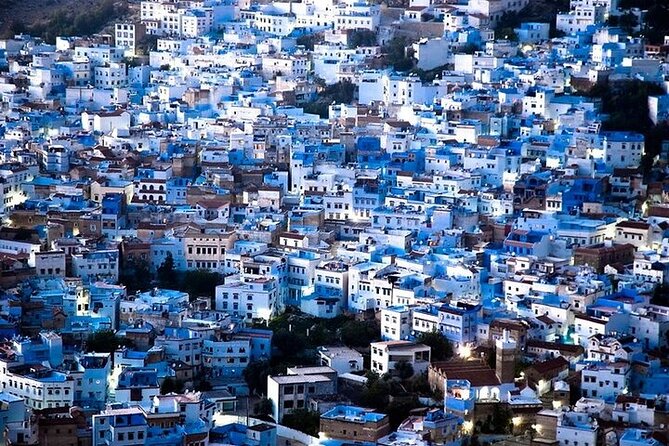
(516, 421)
(468, 426)
(465, 352)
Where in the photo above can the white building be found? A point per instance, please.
(295, 389)
(109, 76)
(622, 149)
(396, 323)
(225, 358)
(576, 429)
(248, 297)
(50, 263)
(341, 359)
(128, 35)
(605, 380)
(92, 266)
(289, 66)
(42, 389)
(495, 9)
(105, 122)
(10, 245)
(386, 354)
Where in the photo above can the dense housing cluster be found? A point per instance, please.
(337, 222)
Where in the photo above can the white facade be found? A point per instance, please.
(385, 355)
(605, 381)
(92, 266)
(341, 359)
(248, 297)
(396, 323)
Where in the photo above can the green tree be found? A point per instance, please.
(255, 375)
(171, 385)
(375, 393)
(419, 384)
(660, 295)
(626, 104)
(342, 92)
(656, 19)
(441, 348)
(397, 55)
(358, 333)
(399, 409)
(68, 22)
(654, 138)
(105, 341)
(135, 275)
(263, 407)
(361, 37)
(403, 370)
(201, 282)
(166, 274)
(501, 420)
(203, 386)
(304, 420)
(431, 75)
(310, 40)
(288, 343)
(469, 48)
(506, 26)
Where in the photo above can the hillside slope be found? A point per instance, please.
(49, 18)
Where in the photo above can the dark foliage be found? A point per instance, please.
(398, 410)
(303, 420)
(660, 295)
(197, 283)
(200, 282)
(361, 37)
(656, 25)
(135, 275)
(170, 385)
(263, 408)
(376, 392)
(342, 92)
(309, 40)
(203, 386)
(358, 334)
(72, 22)
(105, 341)
(536, 11)
(499, 422)
(397, 55)
(403, 370)
(255, 374)
(441, 347)
(626, 104)
(431, 75)
(626, 21)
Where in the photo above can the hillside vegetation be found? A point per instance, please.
(51, 18)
